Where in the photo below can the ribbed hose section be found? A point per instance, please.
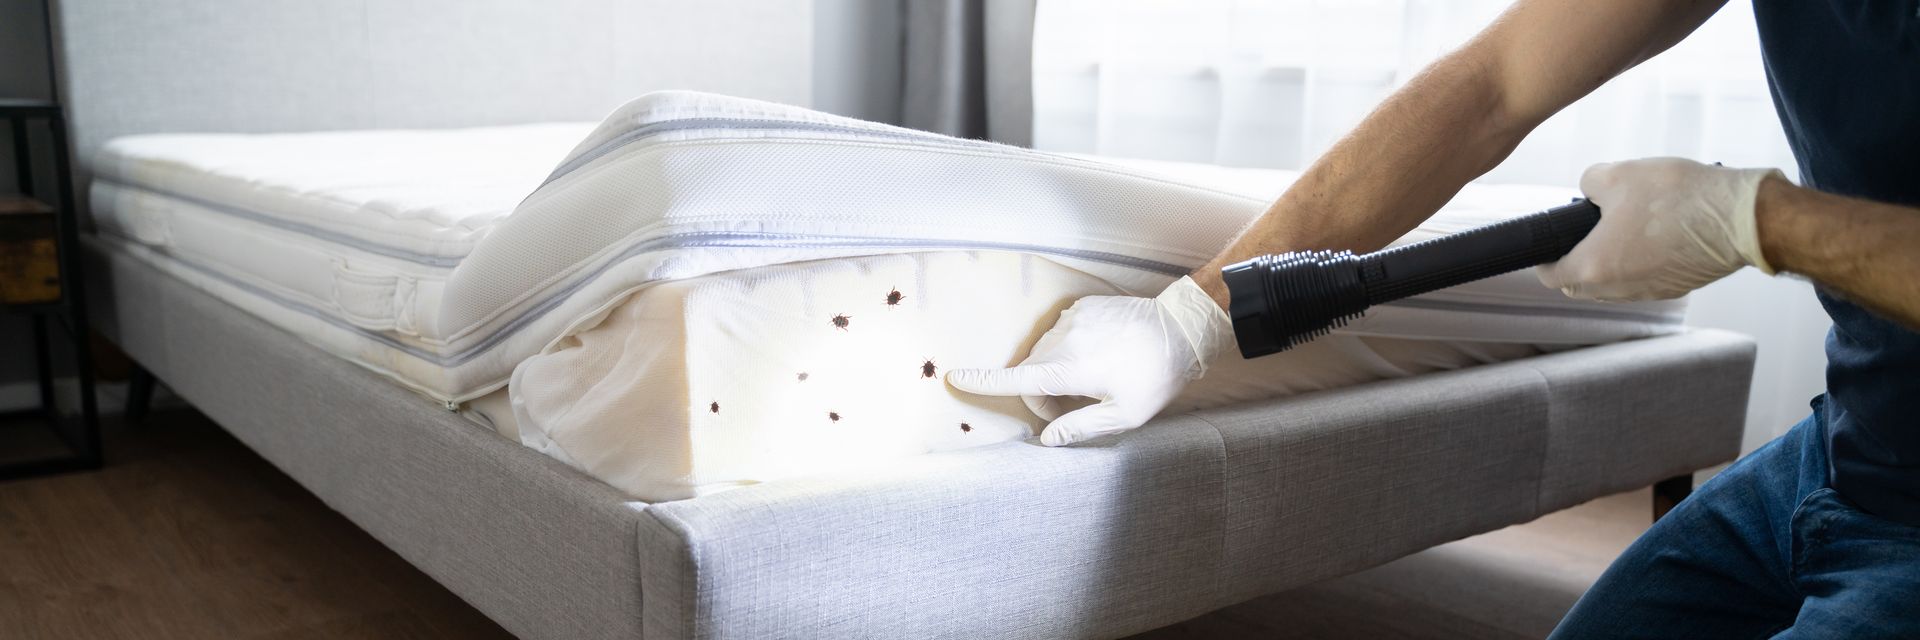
(1280, 301)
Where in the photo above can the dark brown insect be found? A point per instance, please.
(715, 407)
(894, 297)
(833, 415)
(966, 428)
(927, 369)
(802, 377)
(841, 321)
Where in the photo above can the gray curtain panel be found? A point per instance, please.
(968, 69)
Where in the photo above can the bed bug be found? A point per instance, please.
(833, 415)
(894, 297)
(841, 321)
(715, 407)
(927, 369)
(966, 428)
(802, 377)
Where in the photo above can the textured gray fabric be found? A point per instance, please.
(1608, 432)
(1186, 515)
(968, 69)
(1332, 483)
(129, 66)
(1011, 540)
(543, 550)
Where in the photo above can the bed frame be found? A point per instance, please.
(1181, 517)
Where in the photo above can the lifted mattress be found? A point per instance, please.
(735, 292)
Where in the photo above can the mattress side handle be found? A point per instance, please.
(364, 298)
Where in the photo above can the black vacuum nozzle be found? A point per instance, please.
(1279, 301)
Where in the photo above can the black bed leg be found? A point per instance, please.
(139, 394)
(1669, 492)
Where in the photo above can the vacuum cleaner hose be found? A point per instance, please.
(1279, 301)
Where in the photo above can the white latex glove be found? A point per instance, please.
(1667, 226)
(1132, 354)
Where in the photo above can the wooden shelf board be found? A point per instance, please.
(16, 204)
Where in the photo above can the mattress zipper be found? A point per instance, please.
(728, 239)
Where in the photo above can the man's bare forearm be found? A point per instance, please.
(1455, 121)
(1868, 252)
(1391, 172)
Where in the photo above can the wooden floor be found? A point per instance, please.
(187, 534)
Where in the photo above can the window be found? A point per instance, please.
(1273, 83)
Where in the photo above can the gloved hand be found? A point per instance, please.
(1667, 226)
(1134, 355)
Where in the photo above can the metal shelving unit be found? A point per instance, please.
(49, 288)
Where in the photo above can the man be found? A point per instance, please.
(1816, 534)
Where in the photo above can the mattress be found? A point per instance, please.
(703, 292)
(346, 239)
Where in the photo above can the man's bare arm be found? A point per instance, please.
(1868, 252)
(1457, 120)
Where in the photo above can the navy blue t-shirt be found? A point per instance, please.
(1846, 80)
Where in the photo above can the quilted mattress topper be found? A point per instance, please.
(423, 196)
(342, 238)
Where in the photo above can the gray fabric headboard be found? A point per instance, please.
(136, 66)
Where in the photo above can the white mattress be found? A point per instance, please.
(346, 239)
(692, 249)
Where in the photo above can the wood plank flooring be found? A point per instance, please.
(187, 534)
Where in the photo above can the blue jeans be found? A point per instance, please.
(1764, 550)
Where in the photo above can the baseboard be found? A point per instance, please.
(110, 397)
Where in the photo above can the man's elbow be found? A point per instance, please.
(1499, 109)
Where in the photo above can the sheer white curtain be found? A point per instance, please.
(1273, 83)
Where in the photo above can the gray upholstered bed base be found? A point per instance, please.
(1186, 515)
